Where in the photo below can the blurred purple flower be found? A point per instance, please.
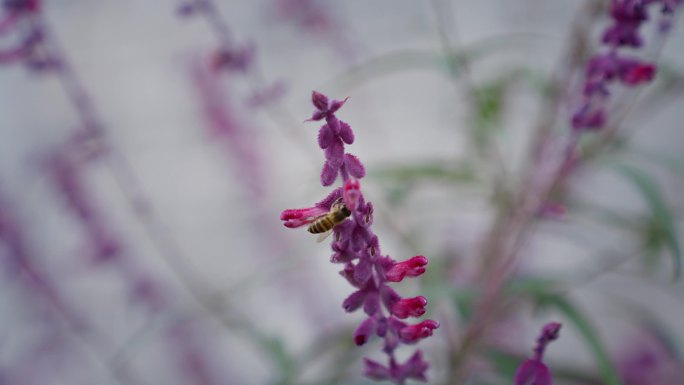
(315, 18)
(267, 95)
(22, 17)
(65, 173)
(552, 210)
(233, 58)
(191, 7)
(190, 351)
(533, 371)
(19, 6)
(225, 125)
(310, 15)
(357, 247)
(650, 359)
(613, 66)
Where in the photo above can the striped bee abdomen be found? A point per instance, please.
(322, 224)
(338, 213)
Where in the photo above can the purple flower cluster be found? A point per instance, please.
(533, 371)
(65, 172)
(230, 56)
(357, 247)
(21, 17)
(614, 66)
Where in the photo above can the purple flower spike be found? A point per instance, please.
(533, 371)
(357, 247)
(613, 66)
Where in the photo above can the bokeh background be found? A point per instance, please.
(198, 282)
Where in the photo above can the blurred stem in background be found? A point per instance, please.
(92, 134)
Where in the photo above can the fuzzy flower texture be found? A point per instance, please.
(356, 247)
(615, 66)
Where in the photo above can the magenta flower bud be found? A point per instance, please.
(319, 101)
(299, 217)
(364, 331)
(409, 307)
(412, 267)
(638, 73)
(414, 333)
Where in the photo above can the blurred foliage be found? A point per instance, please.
(660, 231)
(403, 60)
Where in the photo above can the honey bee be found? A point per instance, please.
(324, 224)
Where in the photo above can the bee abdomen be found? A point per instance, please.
(321, 226)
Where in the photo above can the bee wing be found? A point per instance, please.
(323, 236)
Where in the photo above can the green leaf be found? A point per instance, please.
(416, 59)
(428, 170)
(591, 338)
(279, 355)
(489, 100)
(506, 364)
(674, 163)
(663, 228)
(385, 65)
(465, 301)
